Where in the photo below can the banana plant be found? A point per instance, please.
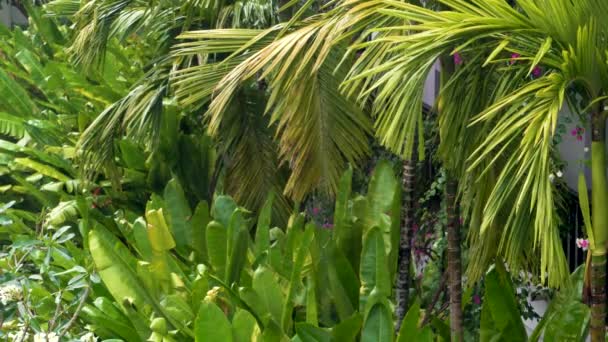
(179, 271)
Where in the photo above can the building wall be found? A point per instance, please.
(10, 16)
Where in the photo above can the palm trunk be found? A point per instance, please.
(405, 243)
(453, 230)
(454, 263)
(599, 200)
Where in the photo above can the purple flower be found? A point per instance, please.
(414, 228)
(574, 132)
(328, 226)
(537, 71)
(476, 300)
(457, 58)
(514, 56)
(316, 211)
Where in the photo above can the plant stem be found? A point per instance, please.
(72, 320)
(429, 311)
(599, 200)
(405, 243)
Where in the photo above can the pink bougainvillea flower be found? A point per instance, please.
(414, 228)
(514, 57)
(457, 58)
(582, 244)
(537, 71)
(578, 133)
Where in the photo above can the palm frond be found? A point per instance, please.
(251, 155)
(138, 115)
(11, 125)
(319, 129)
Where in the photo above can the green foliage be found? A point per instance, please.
(500, 317)
(566, 318)
(280, 284)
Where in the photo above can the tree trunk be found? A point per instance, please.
(599, 200)
(454, 257)
(448, 68)
(405, 243)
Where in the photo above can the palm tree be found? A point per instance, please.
(249, 159)
(497, 143)
(536, 54)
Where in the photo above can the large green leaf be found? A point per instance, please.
(410, 331)
(566, 318)
(374, 271)
(243, 326)
(211, 324)
(178, 214)
(309, 333)
(200, 220)
(176, 307)
(14, 98)
(238, 249)
(500, 318)
(262, 232)
(119, 326)
(348, 236)
(216, 247)
(295, 280)
(44, 169)
(258, 306)
(343, 281)
(378, 325)
(384, 205)
(222, 209)
(116, 267)
(348, 329)
(140, 232)
(269, 291)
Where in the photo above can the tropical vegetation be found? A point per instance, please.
(255, 170)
